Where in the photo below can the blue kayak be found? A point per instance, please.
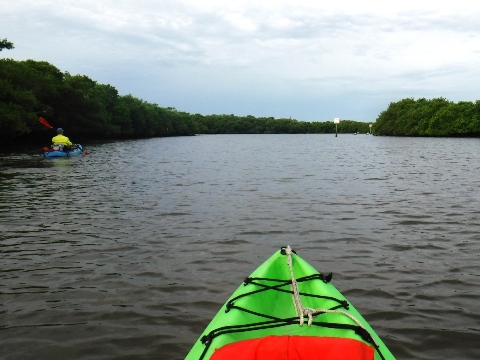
(74, 150)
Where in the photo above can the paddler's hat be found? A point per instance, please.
(59, 131)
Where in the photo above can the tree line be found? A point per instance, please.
(30, 89)
(429, 117)
(231, 124)
(89, 110)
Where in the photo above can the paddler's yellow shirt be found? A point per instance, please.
(61, 139)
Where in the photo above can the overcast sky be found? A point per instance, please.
(308, 60)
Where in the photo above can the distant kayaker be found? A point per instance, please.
(61, 141)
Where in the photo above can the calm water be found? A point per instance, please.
(128, 252)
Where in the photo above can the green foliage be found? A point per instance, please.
(435, 117)
(14, 121)
(18, 100)
(231, 124)
(5, 44)
(86, 109)
(89, 110)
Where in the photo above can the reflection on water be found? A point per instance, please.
(60, 162)
(128, 252)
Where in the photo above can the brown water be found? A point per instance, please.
(127, 253)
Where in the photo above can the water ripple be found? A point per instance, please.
(129, 252)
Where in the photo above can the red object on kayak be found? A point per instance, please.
(295, 348)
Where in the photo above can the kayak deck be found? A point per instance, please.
(264, 314)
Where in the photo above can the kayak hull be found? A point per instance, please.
(263, 309)
(75, 150)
